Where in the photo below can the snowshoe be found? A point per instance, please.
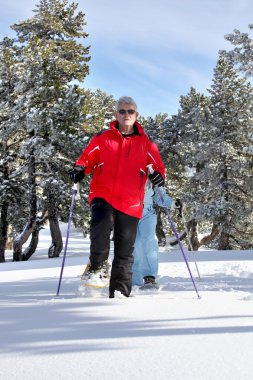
(98, 278)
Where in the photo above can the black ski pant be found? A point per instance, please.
(105, 219)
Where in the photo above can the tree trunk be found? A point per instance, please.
(4, 207)
(192, 227)
(224, 243)
(225, 235)
(20, 240)
(33, 244)
(57, 244)
(52, 202)
(194, 235)
(3, 230)
(9, 243)
(214, 233)
(159, 230)
(28, 230)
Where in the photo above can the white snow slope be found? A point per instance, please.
(167, 335)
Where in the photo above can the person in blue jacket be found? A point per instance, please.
(145, 267)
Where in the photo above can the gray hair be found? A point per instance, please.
(126, 100)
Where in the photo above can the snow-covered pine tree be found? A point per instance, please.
(229, 170)
(192, 148)
(12, 188)
(50, 109)
(99, 111)
(242, 55)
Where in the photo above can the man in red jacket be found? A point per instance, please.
(118, 158)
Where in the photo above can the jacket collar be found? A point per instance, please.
(113, 126)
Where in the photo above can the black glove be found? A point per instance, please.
(179, 207)
(77, 173)
(157, 179)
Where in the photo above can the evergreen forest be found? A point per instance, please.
(48, 116)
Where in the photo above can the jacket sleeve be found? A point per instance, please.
(167, 200)
(90, 156)
(154, 158)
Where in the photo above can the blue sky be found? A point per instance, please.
(152, 50)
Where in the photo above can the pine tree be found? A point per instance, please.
(12, 188)
(99, 111)
(49, 106)
(242, 55)
(192, 148)
(229, 192)
(214, 137)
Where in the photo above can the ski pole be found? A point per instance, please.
(151, 170)
(190, 244)
(74, 192)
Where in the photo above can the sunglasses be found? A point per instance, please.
(123, 112)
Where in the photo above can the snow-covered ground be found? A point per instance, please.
(168, 335)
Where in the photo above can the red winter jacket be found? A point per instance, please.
(119, 166)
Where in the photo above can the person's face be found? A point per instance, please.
(126, 115)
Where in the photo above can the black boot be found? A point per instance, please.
(149, 283)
